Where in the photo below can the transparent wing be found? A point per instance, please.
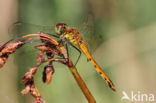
(21, 28)
(92, 38)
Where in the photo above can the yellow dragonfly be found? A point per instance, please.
(73, 37)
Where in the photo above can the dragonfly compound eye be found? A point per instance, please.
(60, 28)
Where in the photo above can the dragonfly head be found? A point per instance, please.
(60, 28)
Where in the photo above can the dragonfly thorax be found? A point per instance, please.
(68, 35)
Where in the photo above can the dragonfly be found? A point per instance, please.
(72, 36)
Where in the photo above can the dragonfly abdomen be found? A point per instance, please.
(85, 50)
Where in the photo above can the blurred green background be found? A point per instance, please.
(126, 49)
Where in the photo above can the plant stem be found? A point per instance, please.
(81, 83)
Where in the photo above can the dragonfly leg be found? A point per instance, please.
(67, 50)
(54, 35)
(79, 54)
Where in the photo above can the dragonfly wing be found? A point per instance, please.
(21, 28)
(92, 38)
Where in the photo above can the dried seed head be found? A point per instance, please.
(29, 75)
(11, 48)
(40, 100)
(47, 74)
(6, 50)
(34, 92)
(41, 47)
(40, 57)
(28, 86)
(3, 60)
(26, 90)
